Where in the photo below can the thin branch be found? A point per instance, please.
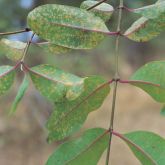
(27, 47)
(134, 145)
(116, 81)
(97, 4)
(15, 32)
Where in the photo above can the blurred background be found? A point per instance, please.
(23, 136)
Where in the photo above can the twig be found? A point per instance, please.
(27, 47)
(15, 32)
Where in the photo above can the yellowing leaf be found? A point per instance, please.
(104, 10)
(53, 48)
(56, 84)
(7, 74)
(67, 26)
(12, 49)
(69, 116)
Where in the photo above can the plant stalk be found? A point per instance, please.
(117, 78)
(27, 47)
(15, 32)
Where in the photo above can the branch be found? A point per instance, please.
(15, 32)
(27, 47)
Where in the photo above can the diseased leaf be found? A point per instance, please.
(151, 78)
(152, 11)
(145, 29)
(163, 111)
(56, 84)
(83, 151)
(104, 10)
(12, 49)
(53, 48)
(69, 116)
(151, 144)
(67, 26)
(7, 74)
(19, 95)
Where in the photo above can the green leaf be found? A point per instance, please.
(53, 48)
(152, 11)
(163, 111)
(56, 84)
(20, 94)
(145, 29)
(69, 116)
(152, 147)
(104, 10)
(151, 78)
(83, 151)
(12, 49)
(67, 26)
(7, 74)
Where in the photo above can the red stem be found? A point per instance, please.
(138, 81)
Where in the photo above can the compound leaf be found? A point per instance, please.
(56, 84)
(85, 150)
(149, 149)
(53, 48)
(145, 29)
(20, 94)
(151, 78)
(104, 10)
(67, 26)
(7, 74)
(69, 116)
(12, 49)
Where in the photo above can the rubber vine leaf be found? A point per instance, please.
(20, 94)
(56, 84)
(67, 26)
(53, 48)
(85, 150)
(69, 116)
(145, 29)
(148, 147)
(155, 11)
(151, 78)
(104, 10)
(7, 74)
(12, 49)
